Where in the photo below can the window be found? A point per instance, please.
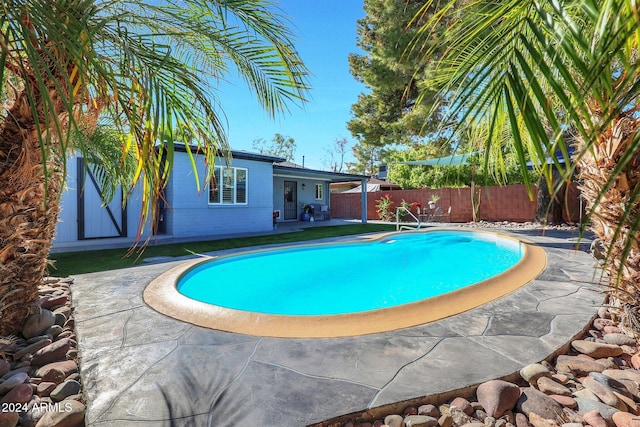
(228, 186)
(319, 192)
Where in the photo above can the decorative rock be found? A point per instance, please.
(53, 301)
(67, 389)
(603, 313)
(572, 416)
(549, 386)
(61, 319)
(613, 384)
(594, 419)
(625, 419)
(489, 421)
(45, 388)
(537, 421)
(54, 375)
(623, 374)
(595, 349)
(4, 367)
(32, 348)
(19, 394)
(420, 421)
(67, 367)
(585, 393)
(37, 323)
(587, 405)
(532, 372)
(13, 381)
(445, 421)
(9, 419)
(429, 410)
(521, 420)
(411, 410)
(463, 404)
(604, 393)
(578, 366)
(498, 396)
(618, 339)
(534, 401)
(458, 416)
(565, 401)
(394, 420)
(599, 324)
(68, 414)
(572, 425)
(635, 361)
(54, 352)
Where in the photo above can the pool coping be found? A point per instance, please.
(162, 295)
(144, 368)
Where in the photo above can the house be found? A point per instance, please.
(244, 198)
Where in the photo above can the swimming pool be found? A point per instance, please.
(342, 289)
(348, 278)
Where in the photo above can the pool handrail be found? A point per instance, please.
(406, 227)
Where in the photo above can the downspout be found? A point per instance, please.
(363, 200)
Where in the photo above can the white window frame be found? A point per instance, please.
(320, 187)
(220, 171)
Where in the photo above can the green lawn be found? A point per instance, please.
(68, 263)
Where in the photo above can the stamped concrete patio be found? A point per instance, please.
(142, 368)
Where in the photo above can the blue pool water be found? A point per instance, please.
(352, 277)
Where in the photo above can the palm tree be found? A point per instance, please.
(536, 70)
(70, 67)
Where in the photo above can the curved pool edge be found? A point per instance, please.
(162, 295)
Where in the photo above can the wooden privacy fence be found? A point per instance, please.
(497, 203)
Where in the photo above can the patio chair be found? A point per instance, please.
(320, 212)
(439, 215)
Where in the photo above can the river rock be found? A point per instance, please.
(69, 413)
(596, 349)
(394, 420)
(19, 394)
(45, 388)
(420, 421)
(64, 390)
(623, 374)
(625, 419)
(535, 401)
(13, 381)
(429, 410)
(594, 419)
(549, 386)
(9, 419)
(37, 323)
(53, 301)
(54, 352)
(565, 401)
(497, 396)
(604, 393)
(4, 367)
(31, 348)
(537, 421)
(578, 366)
(67, 367)
(618, 339)
(463, 404)
(600, 323)
(532, 372)
(587, 405)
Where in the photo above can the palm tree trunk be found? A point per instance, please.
(595, 168)
(29, 208)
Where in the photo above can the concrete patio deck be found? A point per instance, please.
(142, 368)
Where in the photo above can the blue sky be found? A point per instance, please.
(325, 35)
